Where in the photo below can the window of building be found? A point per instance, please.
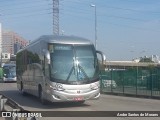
(6, 56)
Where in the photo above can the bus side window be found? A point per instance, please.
(46, 68)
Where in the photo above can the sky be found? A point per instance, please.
(126, 29)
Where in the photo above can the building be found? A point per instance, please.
(0, 45)
(12, 42)
(0, 38)
(155, 58)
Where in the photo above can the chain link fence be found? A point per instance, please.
(137, 81)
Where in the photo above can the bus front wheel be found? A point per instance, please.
(22, 89)
(80, 102)
(41, 96)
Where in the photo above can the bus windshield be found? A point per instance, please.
(9, 71)
(73, 64)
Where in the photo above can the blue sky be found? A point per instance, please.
(126, 29)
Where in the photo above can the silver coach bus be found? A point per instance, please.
(59, 69)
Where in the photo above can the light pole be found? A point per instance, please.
(0, 43)
(92, 5)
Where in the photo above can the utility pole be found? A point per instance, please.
(95, 12)
(55, 17)
(0, 45)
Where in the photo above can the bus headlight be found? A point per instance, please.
(58, 87)
(94, 86)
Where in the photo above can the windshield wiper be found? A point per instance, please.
(69, 75)
(78, 74)
(84, 73)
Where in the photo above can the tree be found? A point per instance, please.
(145, 59)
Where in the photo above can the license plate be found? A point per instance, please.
(78, 98)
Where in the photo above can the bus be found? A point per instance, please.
(59, 69)
(9, 72)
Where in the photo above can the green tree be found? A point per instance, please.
(144, 59)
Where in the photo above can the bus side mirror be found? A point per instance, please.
(47, 55)
(102, 56)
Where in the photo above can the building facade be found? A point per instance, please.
(0, 38)
(12, 42)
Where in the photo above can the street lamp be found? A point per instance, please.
(92, 5)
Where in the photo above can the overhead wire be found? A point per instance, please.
(31, 15)
(19, 13)
(128, 9)
(115, 24)
(87, 12)
(20, 2)
(70, 10)
(21, 8)
(80, 10)
(26, 9)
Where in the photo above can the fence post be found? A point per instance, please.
(136, 80)
(111, 81)
(123, 79)
(151, 83)
(101, 83)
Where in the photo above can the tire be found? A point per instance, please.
(41, 96)
(22, 90)
(80, 102)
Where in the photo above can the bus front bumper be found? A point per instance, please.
(9, 79)
(61, 96)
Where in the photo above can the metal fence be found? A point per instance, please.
(137, 81)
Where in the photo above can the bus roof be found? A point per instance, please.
(63, 39)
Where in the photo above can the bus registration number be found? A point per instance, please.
(78, 98)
